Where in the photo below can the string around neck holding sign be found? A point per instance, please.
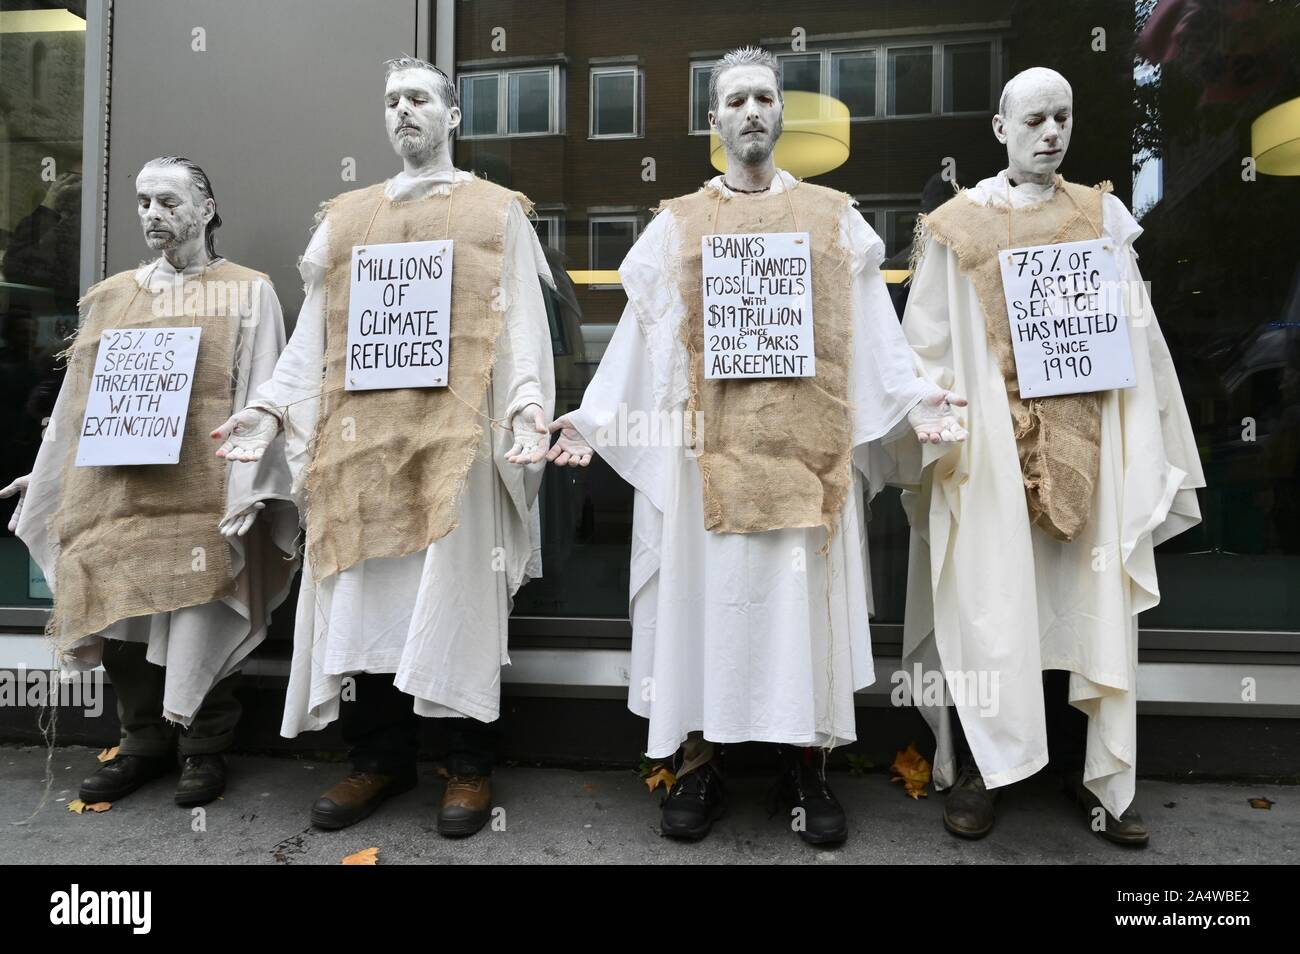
(1059, 185)
(717, 204)
(446, 234)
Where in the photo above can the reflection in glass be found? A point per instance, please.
(613, 103)
(1219, 249)
(612, 237)
(478, 103)
(530, 102)
(700, 98)
(801, 71)
(966, 77)
(910, 80)
(42, 52)
(853, 82)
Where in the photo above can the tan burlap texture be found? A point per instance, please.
(775, 452)
(1058, 438)
(388, 466)
(143, 539)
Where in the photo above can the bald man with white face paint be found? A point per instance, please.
(750, 599)
(1032, 543)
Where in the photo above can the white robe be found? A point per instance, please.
(740, 635)
(437, 618)
(988, 594)
(199, 645)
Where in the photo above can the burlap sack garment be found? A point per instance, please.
(776, 451)
(1058, 438)
(143, 539)
(388, 467)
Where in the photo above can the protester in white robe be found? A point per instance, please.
(785, 669)
(423, 632)
(182, 673)
(198, 645)
(988, 593)
(742, 636)
(436, 619)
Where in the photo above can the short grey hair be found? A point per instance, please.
(744, 56)
(446, 88)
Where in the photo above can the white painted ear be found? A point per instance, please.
(453, 119)
(209, 210)
(999, 129)
(713, 120)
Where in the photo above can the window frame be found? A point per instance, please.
(638, 101)
(597, 218)
(691, 102)
(555, 220)
(881, 48)
(555, 122)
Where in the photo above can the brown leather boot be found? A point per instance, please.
(1129, 829)
(356, 797)
(466, 805)
(968, 810)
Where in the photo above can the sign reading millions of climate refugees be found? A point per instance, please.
(139, 397)
(758, 316)
(1068, 317)
(399, 316)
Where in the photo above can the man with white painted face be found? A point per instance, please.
(419, 503)
(749, 589)
(166, 573)
(1032, 543)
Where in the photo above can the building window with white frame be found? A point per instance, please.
(967, 77)
(610, 236)
(801, 72)
(616, 96)
(700, 97)
(909, 80)
(514, 102)
(549, 226)
(901, 78)
(853, 81)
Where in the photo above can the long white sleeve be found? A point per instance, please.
(883, 383)
(293, 389)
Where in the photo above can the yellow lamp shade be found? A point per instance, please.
(816, 137)
(1275, 140)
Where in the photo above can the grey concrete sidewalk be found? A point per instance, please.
(562, 816)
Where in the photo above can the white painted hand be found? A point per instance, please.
(239, 524)
(531, 432)
(18, 487)
(247, 434)
(572, 449)
(933, 418)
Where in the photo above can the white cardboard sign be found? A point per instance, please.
(1069, 323)
(399, 316)
(139, 397)
(758, 315)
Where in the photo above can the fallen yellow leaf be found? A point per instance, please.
(108, 754)
(913, 771)
(78, 807)
(662, 775)
(1263, 803)
(366, 856)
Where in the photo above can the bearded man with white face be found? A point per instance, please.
(419, 502)
(165, 573)
(1032, 544)
(749, 589)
